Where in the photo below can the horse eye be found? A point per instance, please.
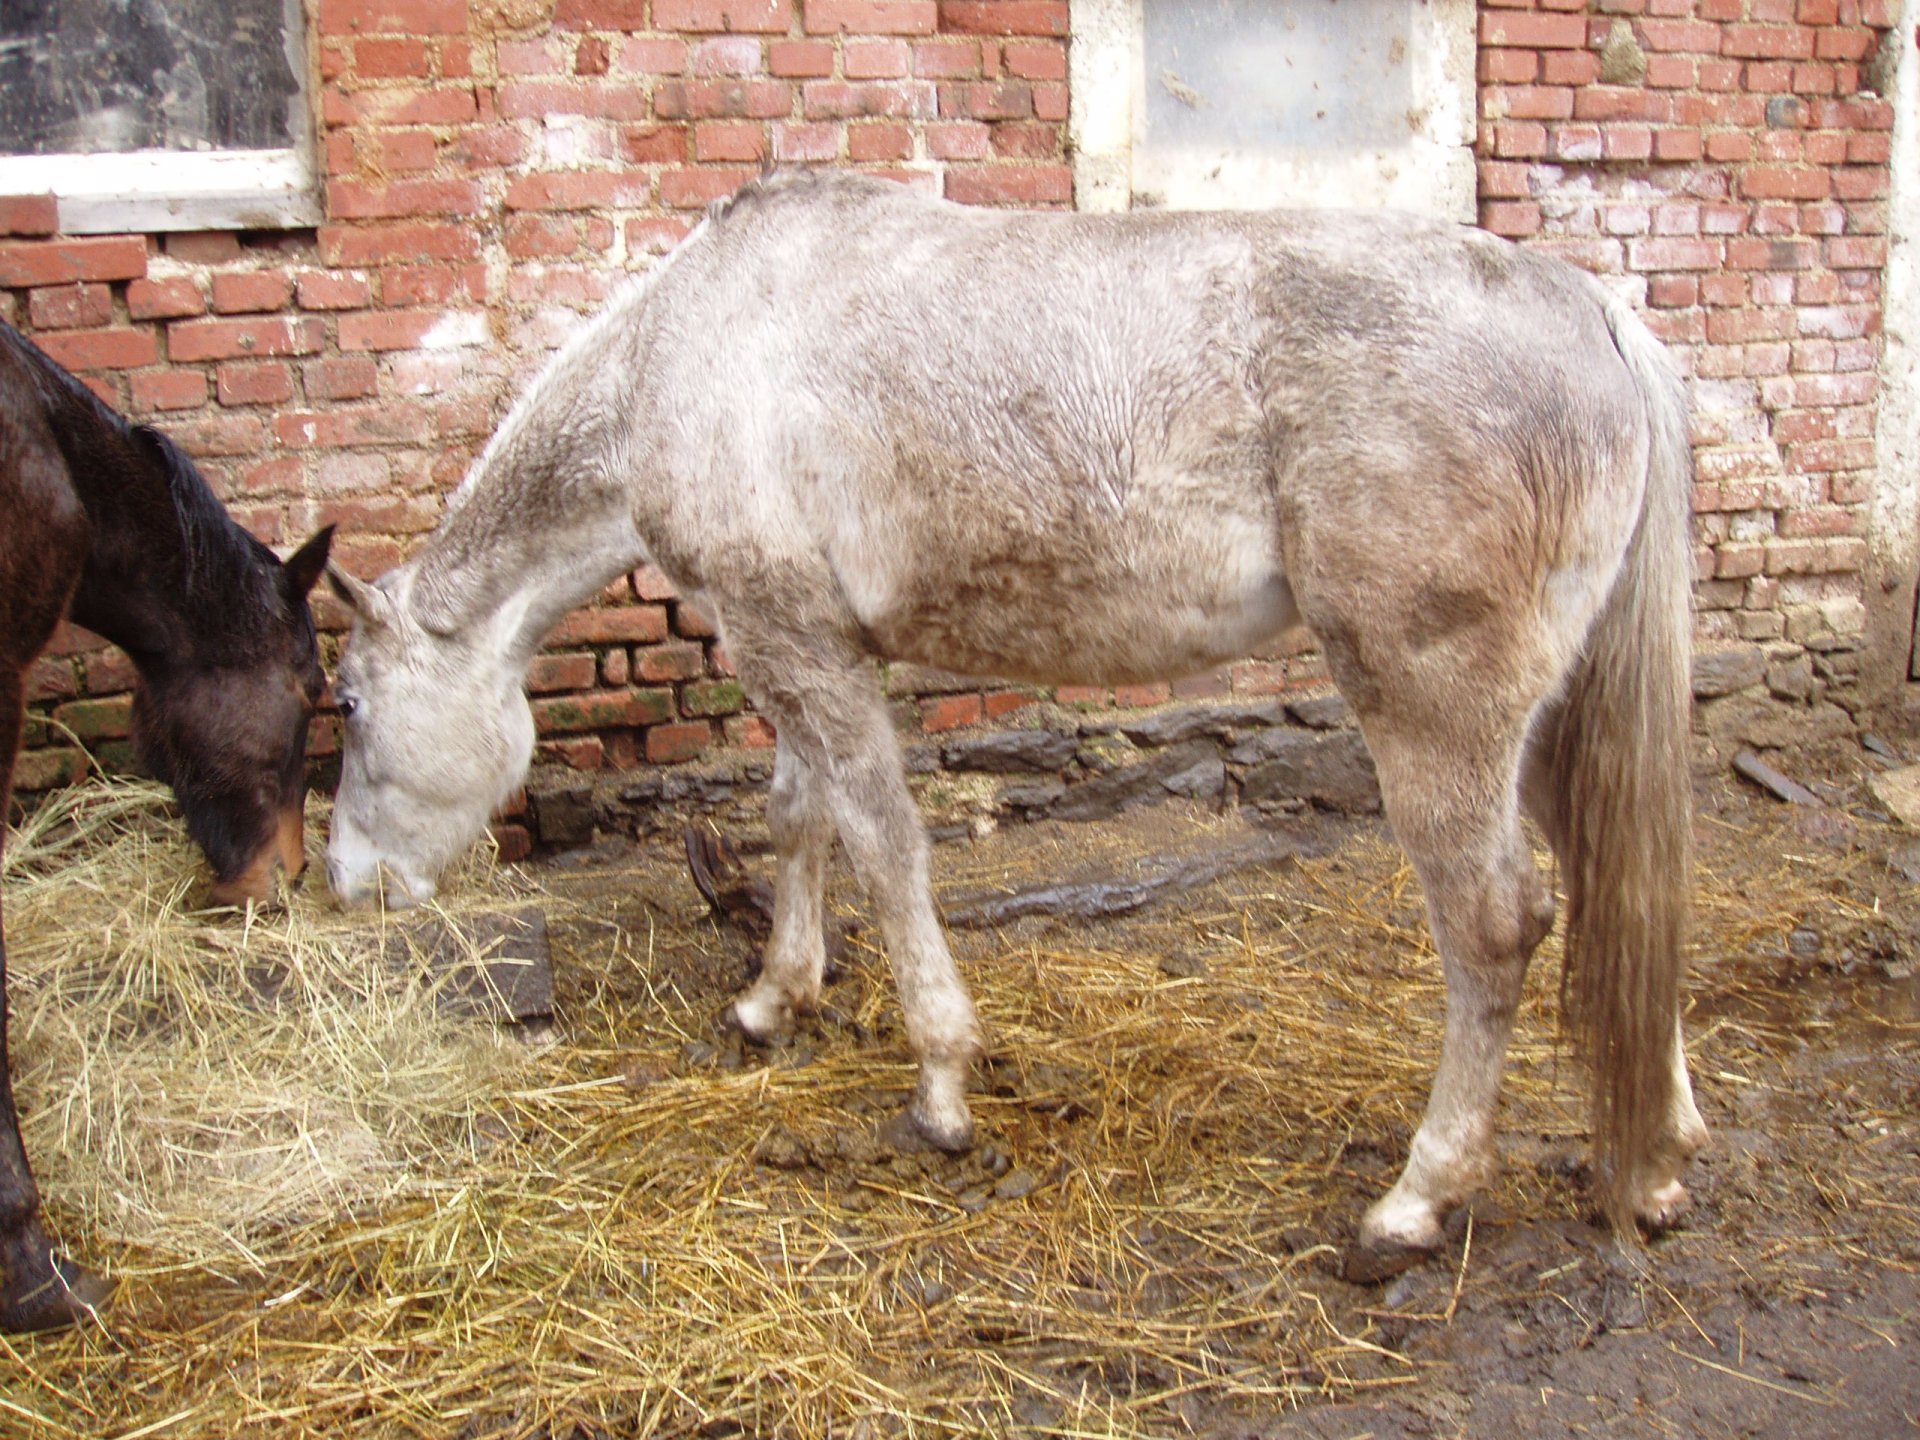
(347, 705)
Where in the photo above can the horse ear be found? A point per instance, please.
(369, 602)
(305, 564)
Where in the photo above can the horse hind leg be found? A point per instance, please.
(800, 821)
(846, 762)
(1453, 803)
(1659, 1197)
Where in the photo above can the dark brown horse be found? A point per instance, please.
(109, 523)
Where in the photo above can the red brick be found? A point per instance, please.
(190, 340)
(1004, 17)
(800, 59)
(168, 299)
(949, 712)
(535, 99)
(580, 190)
(1531, 31)
(871, 17)
(957, 141)
(735, 97)
(842, 100)
(393, 422)
(168, 390)
(601, 14)
(404, 285)
(1530, 102)
(391, 59)
(671, 660)
(70, 307)
(947, 58)
(1508, 67)
(593, 56)
(875, 59)
(693, 189)
(372, 244)
(1673, 253)
(573, 671)
(1036, 59)
(879, 140)
(101, 349)
(248, 291)
(538, 237)
(254, 383)
(29, 215)
(25, 263)
(1011, 185)
(341, 377)
(1676, 146)
(742, 140)
(618, 625)
(357, 200)
(670, 744)
(650, 55)
(806, 141)
(393, 17)
(773, 17)
(321, 290)
(1516, 219)
(655, 145)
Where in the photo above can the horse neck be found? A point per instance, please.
(544, 522)
(142, 586)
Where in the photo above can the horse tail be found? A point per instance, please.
(1617, 764)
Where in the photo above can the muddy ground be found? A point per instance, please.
(1788, 1304)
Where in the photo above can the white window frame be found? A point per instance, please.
(1433, 172)
(152, 190)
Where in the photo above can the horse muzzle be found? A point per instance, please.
(285, 851)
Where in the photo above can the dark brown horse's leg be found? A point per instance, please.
(38, 1290)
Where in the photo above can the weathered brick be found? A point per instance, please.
(760, 16)
(622, 625)
(191, 340)
(392, 17)
(29, 214)
(25, 263)
(167, 390)
(254, 382)
(871, 17)
(171, 298)
(70, 307)
(101, 349)
(249, 291)
(602, 710)
(671, 744)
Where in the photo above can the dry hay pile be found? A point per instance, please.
(642, 1231)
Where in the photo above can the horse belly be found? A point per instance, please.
(1139, 614)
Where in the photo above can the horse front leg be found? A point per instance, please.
(800, 822)
(38, 1289)
(834, 729)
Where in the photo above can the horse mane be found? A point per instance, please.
(218, 557)
(219, 560)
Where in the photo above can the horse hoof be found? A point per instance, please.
(1366, 1264)
(1662, 1207)
(69, 1295)
(910, 1132)
(759, 1021)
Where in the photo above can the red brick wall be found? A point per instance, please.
(1720, 161)
(495, 167)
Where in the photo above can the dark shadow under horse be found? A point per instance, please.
(110, 524)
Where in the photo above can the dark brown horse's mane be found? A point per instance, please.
(218, 558)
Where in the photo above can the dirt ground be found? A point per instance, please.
(661, 1231)
(1788, 1303)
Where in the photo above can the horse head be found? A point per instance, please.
(223, 719)
(438, 734)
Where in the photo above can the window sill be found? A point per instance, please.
(154, 190)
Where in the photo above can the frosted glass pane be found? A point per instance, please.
(1253, 76)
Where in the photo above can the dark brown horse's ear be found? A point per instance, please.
(305, 564)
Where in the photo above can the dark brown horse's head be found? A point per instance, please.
(224, 721)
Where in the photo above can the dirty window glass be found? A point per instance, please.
(94, 77)
(1247, 76)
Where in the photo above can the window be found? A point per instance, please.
(1234, 104)
(146, 115)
